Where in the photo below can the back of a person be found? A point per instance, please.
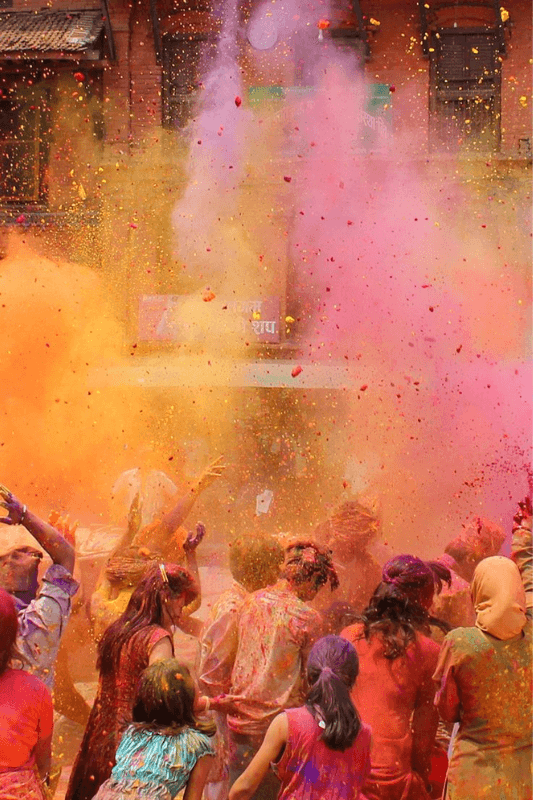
(24, 705)
(386, 689)
(495, 680)
(275, 626)
(310, 770)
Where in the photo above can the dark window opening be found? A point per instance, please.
(24, 135)
(183, 60)
(465, 92)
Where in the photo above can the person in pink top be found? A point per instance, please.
(26, 715)
(395, 690)
(321, 749)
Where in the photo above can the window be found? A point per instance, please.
(465, 97)
(23, 142)
(183, 56)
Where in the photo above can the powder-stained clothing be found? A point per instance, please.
(20, 784)
(218, 648)
(486, 684)
(276, 632)
(111, 715)
(42, 622)
(395, 697)
(310, 770)
(154, 765)
(26, 717)
(219, 641)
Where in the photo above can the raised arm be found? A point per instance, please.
(60, 551)
(158, 534)
(275, 739)
(522, 549)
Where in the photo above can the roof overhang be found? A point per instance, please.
(78, 35)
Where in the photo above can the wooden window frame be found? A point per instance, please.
(465, 90)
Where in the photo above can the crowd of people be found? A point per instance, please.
(317, 675)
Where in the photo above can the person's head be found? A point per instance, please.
(19, 569)
(307, 568)
(479, 539)
(400, 604)
(352, 528)
(9, 628)
(165, 698)
(499, 598)
(255, 561)
(157, 600)
(332, 667)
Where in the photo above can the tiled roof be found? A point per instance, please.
(69, 31)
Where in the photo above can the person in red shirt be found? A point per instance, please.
(27, 718)
(395, 691)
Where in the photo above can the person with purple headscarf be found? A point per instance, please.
(395, 691)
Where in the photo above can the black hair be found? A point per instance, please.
(165, 699)
(396, 611)
(305, 561)
(146, 607)
(332, 668)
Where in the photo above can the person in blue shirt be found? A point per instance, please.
(167, 748)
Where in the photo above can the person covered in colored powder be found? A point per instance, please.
(164, 539)
(141, 636)
(321, 749)
(348, 534)
(143, 492)
(479, 539)
(277, 628)
(166, 749)
(254, 562)
(485, 681)
(26, 715)
(395, 691)
(43, 611)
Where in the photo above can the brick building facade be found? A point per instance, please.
(101, 160)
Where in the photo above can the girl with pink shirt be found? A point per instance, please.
(322, 749)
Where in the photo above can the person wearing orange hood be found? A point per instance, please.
(485, 679)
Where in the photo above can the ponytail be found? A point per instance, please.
(332, 668)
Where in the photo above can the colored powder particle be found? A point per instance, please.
(296, 371)
(208, 296)
(287, 178)
(79, 76)
(238, 101)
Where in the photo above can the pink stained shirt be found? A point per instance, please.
(310, 770)
(276, 632)
(26, 715)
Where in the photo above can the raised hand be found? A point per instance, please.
(64, 526)
(194, 538)
(15, 509)
(522, 518)
(211, 473)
